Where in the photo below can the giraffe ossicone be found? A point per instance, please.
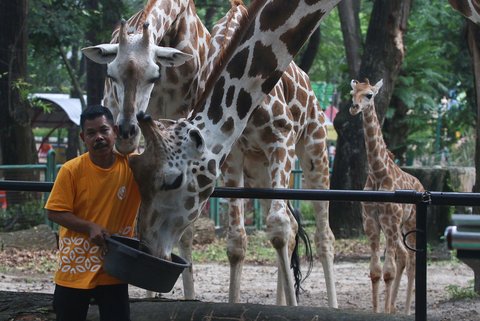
(391, 219)
(182, 160)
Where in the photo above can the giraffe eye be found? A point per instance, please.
(369, 96)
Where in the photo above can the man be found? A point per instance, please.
(94, 195)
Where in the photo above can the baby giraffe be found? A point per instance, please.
(390, 218)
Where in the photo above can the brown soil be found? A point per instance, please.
(31, 271)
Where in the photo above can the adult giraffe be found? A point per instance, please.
(391, 219)
(288, 122)
(182, 158)
(137, 80)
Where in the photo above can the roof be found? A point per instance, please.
(64, 111)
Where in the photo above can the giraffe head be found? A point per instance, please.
(132, 67)
(176, 175)
(363, 95)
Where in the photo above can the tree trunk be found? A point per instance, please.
(348, 11)
(95, 72)
(382, 58)
(38, 306)
(473, 38)
(308, 56)
(396, 130)
(348, 173)
(16, 137)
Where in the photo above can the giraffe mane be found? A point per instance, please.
(391, 155)
(228, 51)
(231, 15)
(146, 11)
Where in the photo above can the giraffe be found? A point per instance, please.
(469, 8)
(288, 123)
(165, 91)
(390, 218)
(182, 158)
(288, 119)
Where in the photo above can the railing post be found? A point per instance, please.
(50, 177)
(297, 181)
(258, 215)
(214, 213)
(51, 166)
(421, 263)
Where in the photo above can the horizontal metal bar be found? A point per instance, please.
(31, 166)
(27, 186)
(399, 196)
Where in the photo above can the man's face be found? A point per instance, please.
(98, 135)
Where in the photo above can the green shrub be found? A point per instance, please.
(456, 292)
(22, 216)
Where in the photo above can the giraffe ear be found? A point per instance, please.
(171, 57)
(101, 54)
(377, 86)
(353, 83)
(196, 140)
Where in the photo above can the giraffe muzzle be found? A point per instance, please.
(354, 110)
(128, 131)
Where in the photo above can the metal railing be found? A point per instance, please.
(422, 201)
(50, 168)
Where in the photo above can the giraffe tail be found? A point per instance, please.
(295, 260)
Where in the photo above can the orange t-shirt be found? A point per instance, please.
(108, 197)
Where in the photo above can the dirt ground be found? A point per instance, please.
(31, 270)
(259, 286)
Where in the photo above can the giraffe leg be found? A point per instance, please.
(236, 248)
(236, 236)
(185, 247)
(281, 277)
(400, 255)
(279, 230)
(313, 156)
(372, 230)
(391, 227)
(324, 241)
(410, 225)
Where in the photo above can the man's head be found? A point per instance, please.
(98, 130)
(94, 111)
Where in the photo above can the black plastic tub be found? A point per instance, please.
(126, 262)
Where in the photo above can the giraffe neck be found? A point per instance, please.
(165, 17)
(376, 148)
(266, 46)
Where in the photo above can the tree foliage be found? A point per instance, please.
(437, 64)
(436, 61)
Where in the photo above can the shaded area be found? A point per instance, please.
(36, 306)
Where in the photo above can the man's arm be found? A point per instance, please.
(70, 221)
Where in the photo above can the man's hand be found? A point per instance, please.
(97, 234)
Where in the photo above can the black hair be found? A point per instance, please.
(94, 111)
